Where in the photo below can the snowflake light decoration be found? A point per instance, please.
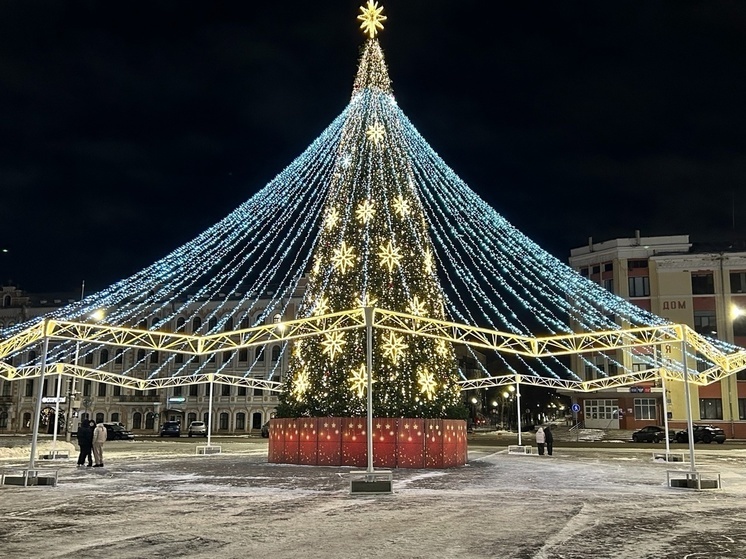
(427, 383)
(390, 255)
(416, 307)
(376, 133)
(333, 343)
(394, 347)
(401, 206)
(302, 382)
(359, 380)
(332, 218)
(343, 258)
(365, 211)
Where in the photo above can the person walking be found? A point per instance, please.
(540, 440)
(549, 438)
(99, 438)
(85, 442)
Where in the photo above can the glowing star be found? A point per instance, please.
(333, 343)
(371, 18)
(401, 206)
(441, 348)
(416, 307)
(317, 265)
(389, 255)
(365, 211)
(321, 307)
(376, 133)
(427, 383)
(346, 160)
(332, 218)
(394, 347)
(344, 257)
(302, 384)
(428, 261)
(359, 380)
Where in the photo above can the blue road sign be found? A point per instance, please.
(575, 408)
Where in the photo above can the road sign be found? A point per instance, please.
(53, 400)
(575, 408)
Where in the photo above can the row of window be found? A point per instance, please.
(646, 408)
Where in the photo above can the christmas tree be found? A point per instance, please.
(374, 251)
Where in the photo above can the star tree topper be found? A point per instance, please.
(371, 18)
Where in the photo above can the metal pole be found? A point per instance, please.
(689, 426)
(56, 414)
(39, 396)
(369, 365)
(71, 393)
(665, 413)
(518, 404)
(209, 414)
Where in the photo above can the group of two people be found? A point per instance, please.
(544, 437)
(91, 439)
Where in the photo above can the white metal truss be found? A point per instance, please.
(198, 345)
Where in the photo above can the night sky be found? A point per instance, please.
(130, 127)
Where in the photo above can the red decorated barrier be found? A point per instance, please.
(342, 441)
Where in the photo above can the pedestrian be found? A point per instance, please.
(99, 438)
(549, 438)
(540, 439)
(85, 442)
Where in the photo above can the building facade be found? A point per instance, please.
(701, 286)
(236, 410)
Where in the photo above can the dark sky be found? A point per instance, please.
(130, 127)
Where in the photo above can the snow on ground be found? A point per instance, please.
(156, 499)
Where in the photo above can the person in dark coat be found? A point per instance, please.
(85, 442)
(548, 439)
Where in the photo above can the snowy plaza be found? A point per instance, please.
(157, 499)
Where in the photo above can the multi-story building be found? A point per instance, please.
(701, 286)
(235, 409)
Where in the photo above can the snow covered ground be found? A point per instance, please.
(158, 499)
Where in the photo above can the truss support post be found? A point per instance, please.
(209, 413)
(56, 413)
(689, 425)
(518, 405)
(70, 398)
(39, 396)
(369, 366)
(665, 410)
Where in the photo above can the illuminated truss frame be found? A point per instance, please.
(452, 332)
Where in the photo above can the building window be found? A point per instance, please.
(191, 416)
(224, 421)
(710, 408)
(89, 358)
(738, 282)
(213, 324)
(180, 322)
(226, 390)
(258, 392)
(601, 409)
(179, 359)
(243, 355)
(275, 354)
(703, 283)
(87, 388)
(154, 357)
(637, 264)
(228, 325)
(117, 390)
(119, 358)
(645, 408)
(3, 420)
(702, 363)
(608, 267)
(6, 301)
(241, 421)
(102, 390)
(705, 323)
(196, 324)
(584, 272)
(242, 391)
(193, 389)
(103, 357)
(609, 285)
(6, 388)
(260, 354)
(140, 355)
(177, 390)
(29, 387)
(137, 420)
(741, 375)
(115, 417)
(150, 420)
(742, 408)
(99, 417)
(639, 287)
(596, 269)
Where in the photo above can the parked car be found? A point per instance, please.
(117, 432)
(265, 430)
(197, 429)
(171, 429)
(652, 434)
(702, 433)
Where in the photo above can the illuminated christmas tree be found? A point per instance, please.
(374, 250)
